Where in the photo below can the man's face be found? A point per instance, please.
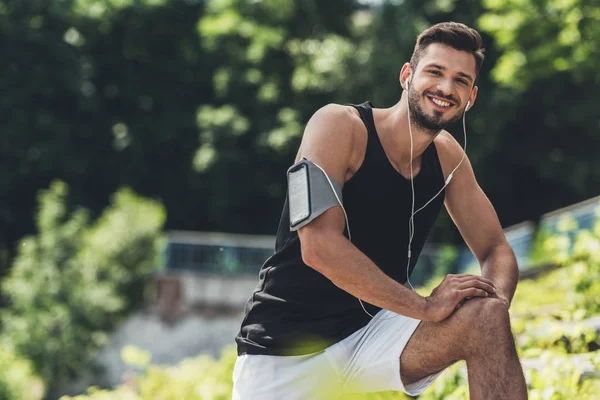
(440, 87)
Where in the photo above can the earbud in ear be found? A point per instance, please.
(407, 83)
(468, 104)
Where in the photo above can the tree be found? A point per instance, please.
(277, 62)
(99, 94)
(544, 111)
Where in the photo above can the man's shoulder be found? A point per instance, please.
(449, 151)
(447, 145)
(342, 121)
(340, 113)
(445, 139)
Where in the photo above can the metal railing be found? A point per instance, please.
(217, 253)
(233, 254)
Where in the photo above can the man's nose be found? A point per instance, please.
(445, 87)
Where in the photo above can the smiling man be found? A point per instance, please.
(331, 314)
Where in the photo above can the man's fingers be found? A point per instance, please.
(478, 284)
(468, 277)
(472, 292)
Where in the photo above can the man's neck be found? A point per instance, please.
(392, 126)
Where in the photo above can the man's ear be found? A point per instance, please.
(472, 98)
(405, 75)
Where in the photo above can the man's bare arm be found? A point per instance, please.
(476, 219)
(328, 251)
(500, 266)
(329, 141)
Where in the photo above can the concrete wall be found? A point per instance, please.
(168, 343)
(195, 315)
(223, 291)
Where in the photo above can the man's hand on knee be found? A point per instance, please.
(496, 296)
(453, 291)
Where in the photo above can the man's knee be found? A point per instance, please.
(483, 320)
(485, 311)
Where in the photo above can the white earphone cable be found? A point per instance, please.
(411, 221)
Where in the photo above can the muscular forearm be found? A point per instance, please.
(351, 270)
(500, 266)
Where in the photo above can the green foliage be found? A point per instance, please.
(586, 270)
(17, 379)
(277, 62)
(136, 357)
(545, 247)
(570, 339)
(543, 38)
(72, 281)
(578, 284)
(539, 311)
(448, 256)
(127, 84)
(561, 379)
(197, 378)
(547, 52)
(104, 8)
(452, 384)
(554, 244)
(544, 298)
(114, 104)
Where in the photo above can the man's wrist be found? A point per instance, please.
(423, 308)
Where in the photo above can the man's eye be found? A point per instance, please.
(434, 72)
(461, 81)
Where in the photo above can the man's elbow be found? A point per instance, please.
(314, 250)
(312, 253)
(500, 250)
(502, 256)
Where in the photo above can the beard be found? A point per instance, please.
(433, 123)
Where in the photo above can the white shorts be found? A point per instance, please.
(366, 361)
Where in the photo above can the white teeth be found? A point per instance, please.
(440, 102)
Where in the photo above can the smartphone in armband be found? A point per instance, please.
(299, 193)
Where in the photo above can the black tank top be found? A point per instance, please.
(296, 310)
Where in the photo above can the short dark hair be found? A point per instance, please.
(454, 34)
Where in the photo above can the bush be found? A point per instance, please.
(17, 381)
(196, 378)
(72, 282)
(561, 379)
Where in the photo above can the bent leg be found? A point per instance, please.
(479, 332)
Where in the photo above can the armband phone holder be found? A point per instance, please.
(310, 193)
